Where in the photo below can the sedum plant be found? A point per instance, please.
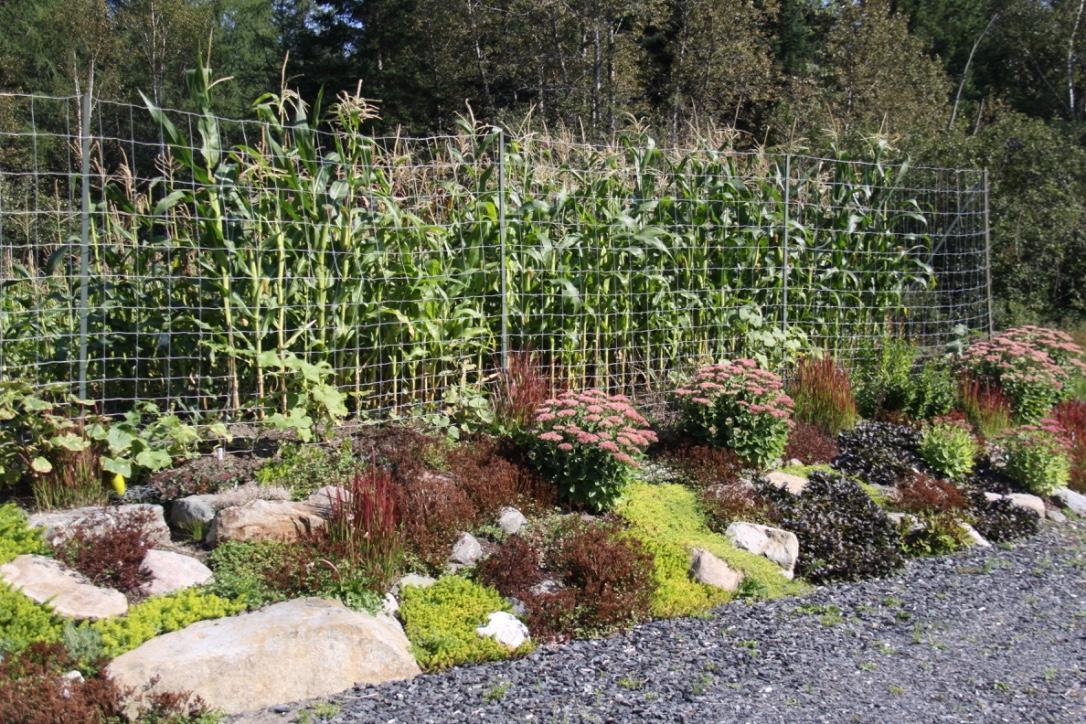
(948, 448)
(739, 406)
(1037, 457)
(587, 443)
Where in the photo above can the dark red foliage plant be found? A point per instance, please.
(584, 578)
(111, 555)
(809, 445)
(435, 511)
(919, 493)
(704, 465)
(521, 387)
(33, 690)
(1071, 416)
(728, 502)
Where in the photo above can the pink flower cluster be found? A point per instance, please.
(1022, 355)
(752, 388)
(594, 418)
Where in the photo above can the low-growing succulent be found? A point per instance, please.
(16, 536)
(948, 448)
(843, 534)
(1037, 457)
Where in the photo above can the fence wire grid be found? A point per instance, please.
(182, 258)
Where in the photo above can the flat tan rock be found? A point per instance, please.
(794, 484)
(49, 582)
(263, 520)
(172, 572)
(708, 569)
(290, 651)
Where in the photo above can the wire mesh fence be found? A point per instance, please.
(194, 261)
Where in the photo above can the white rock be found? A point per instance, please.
(506, 629)
(795, 463)
(50, 582)
(1055, 515)
(172, 571)
(413, 579)
(286, 652)
(794, 484)
(976, 538)
(58, 525)
(779, 546)
(390, 606)
(511, 520)
(710, 570)
(467, 550)
(1022, 500)
(1073, 501)
(191, 511)
(915, 524)
(260, 520)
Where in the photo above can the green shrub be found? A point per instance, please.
(669, 522)
(941, 533)
(240, 568)
(740, 406)
(948, 448)
(304, 468)
(1037, 458)
(882, 375)
(16, 537)
(440, 622)
(588, 443)
(934, 390)
(160, 615)
(22, 622)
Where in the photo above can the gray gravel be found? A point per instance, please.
(986, 635)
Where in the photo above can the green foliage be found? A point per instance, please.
(310, 401)
(159, 615)
(668, 521)
(934, 390)
(940, 534)
(882, 375)
(240, 567)
(83, 644)
(440, 621)
(948, 448)
(304, 468)
(16, 537)
(1037, 458)
(464, 410)
(22, 622)
(146, 440)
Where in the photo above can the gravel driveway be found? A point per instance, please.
(986, 635)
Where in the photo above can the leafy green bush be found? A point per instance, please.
(843, 534)
(16, 537)
(303, 468)
(882, 375)
(934, 390)
(948, 448)
(588, 443)
(938, 534)
(740, 406)
(1037, 457)
(22, 622)
(240, 569)
(669, 521)
(160, 615)
(440, 621)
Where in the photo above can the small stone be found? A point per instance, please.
(511, 520)
(50, 582)
(194, 510)
(794, 484)
(73, 676)
(898, 519)
(708, 569)
(795, 463)
(506, 629)
(519, 609)
(172, 571)
(974, 536)
(1021, 500)
(779, 546)
(1055, 515)
(1073, 501)
(413, 579)
(467, 550)
(390, 606)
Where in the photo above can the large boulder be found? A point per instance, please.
(708, 569)
(1075, 502)
(50, 582)
(172, 571)
(779, 546)
(1025, 501)
(290, 651)
(199, 510)
(57, 526)
(263, 520)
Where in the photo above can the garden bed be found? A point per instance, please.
(541, 518)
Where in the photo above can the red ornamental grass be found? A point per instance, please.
(985, 406)
(822, 393)
(364, 524)
(521, 388)
(1071, 416)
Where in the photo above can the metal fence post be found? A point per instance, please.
(84, 232)
(501, 250)
(988, 259)
(785, 270)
